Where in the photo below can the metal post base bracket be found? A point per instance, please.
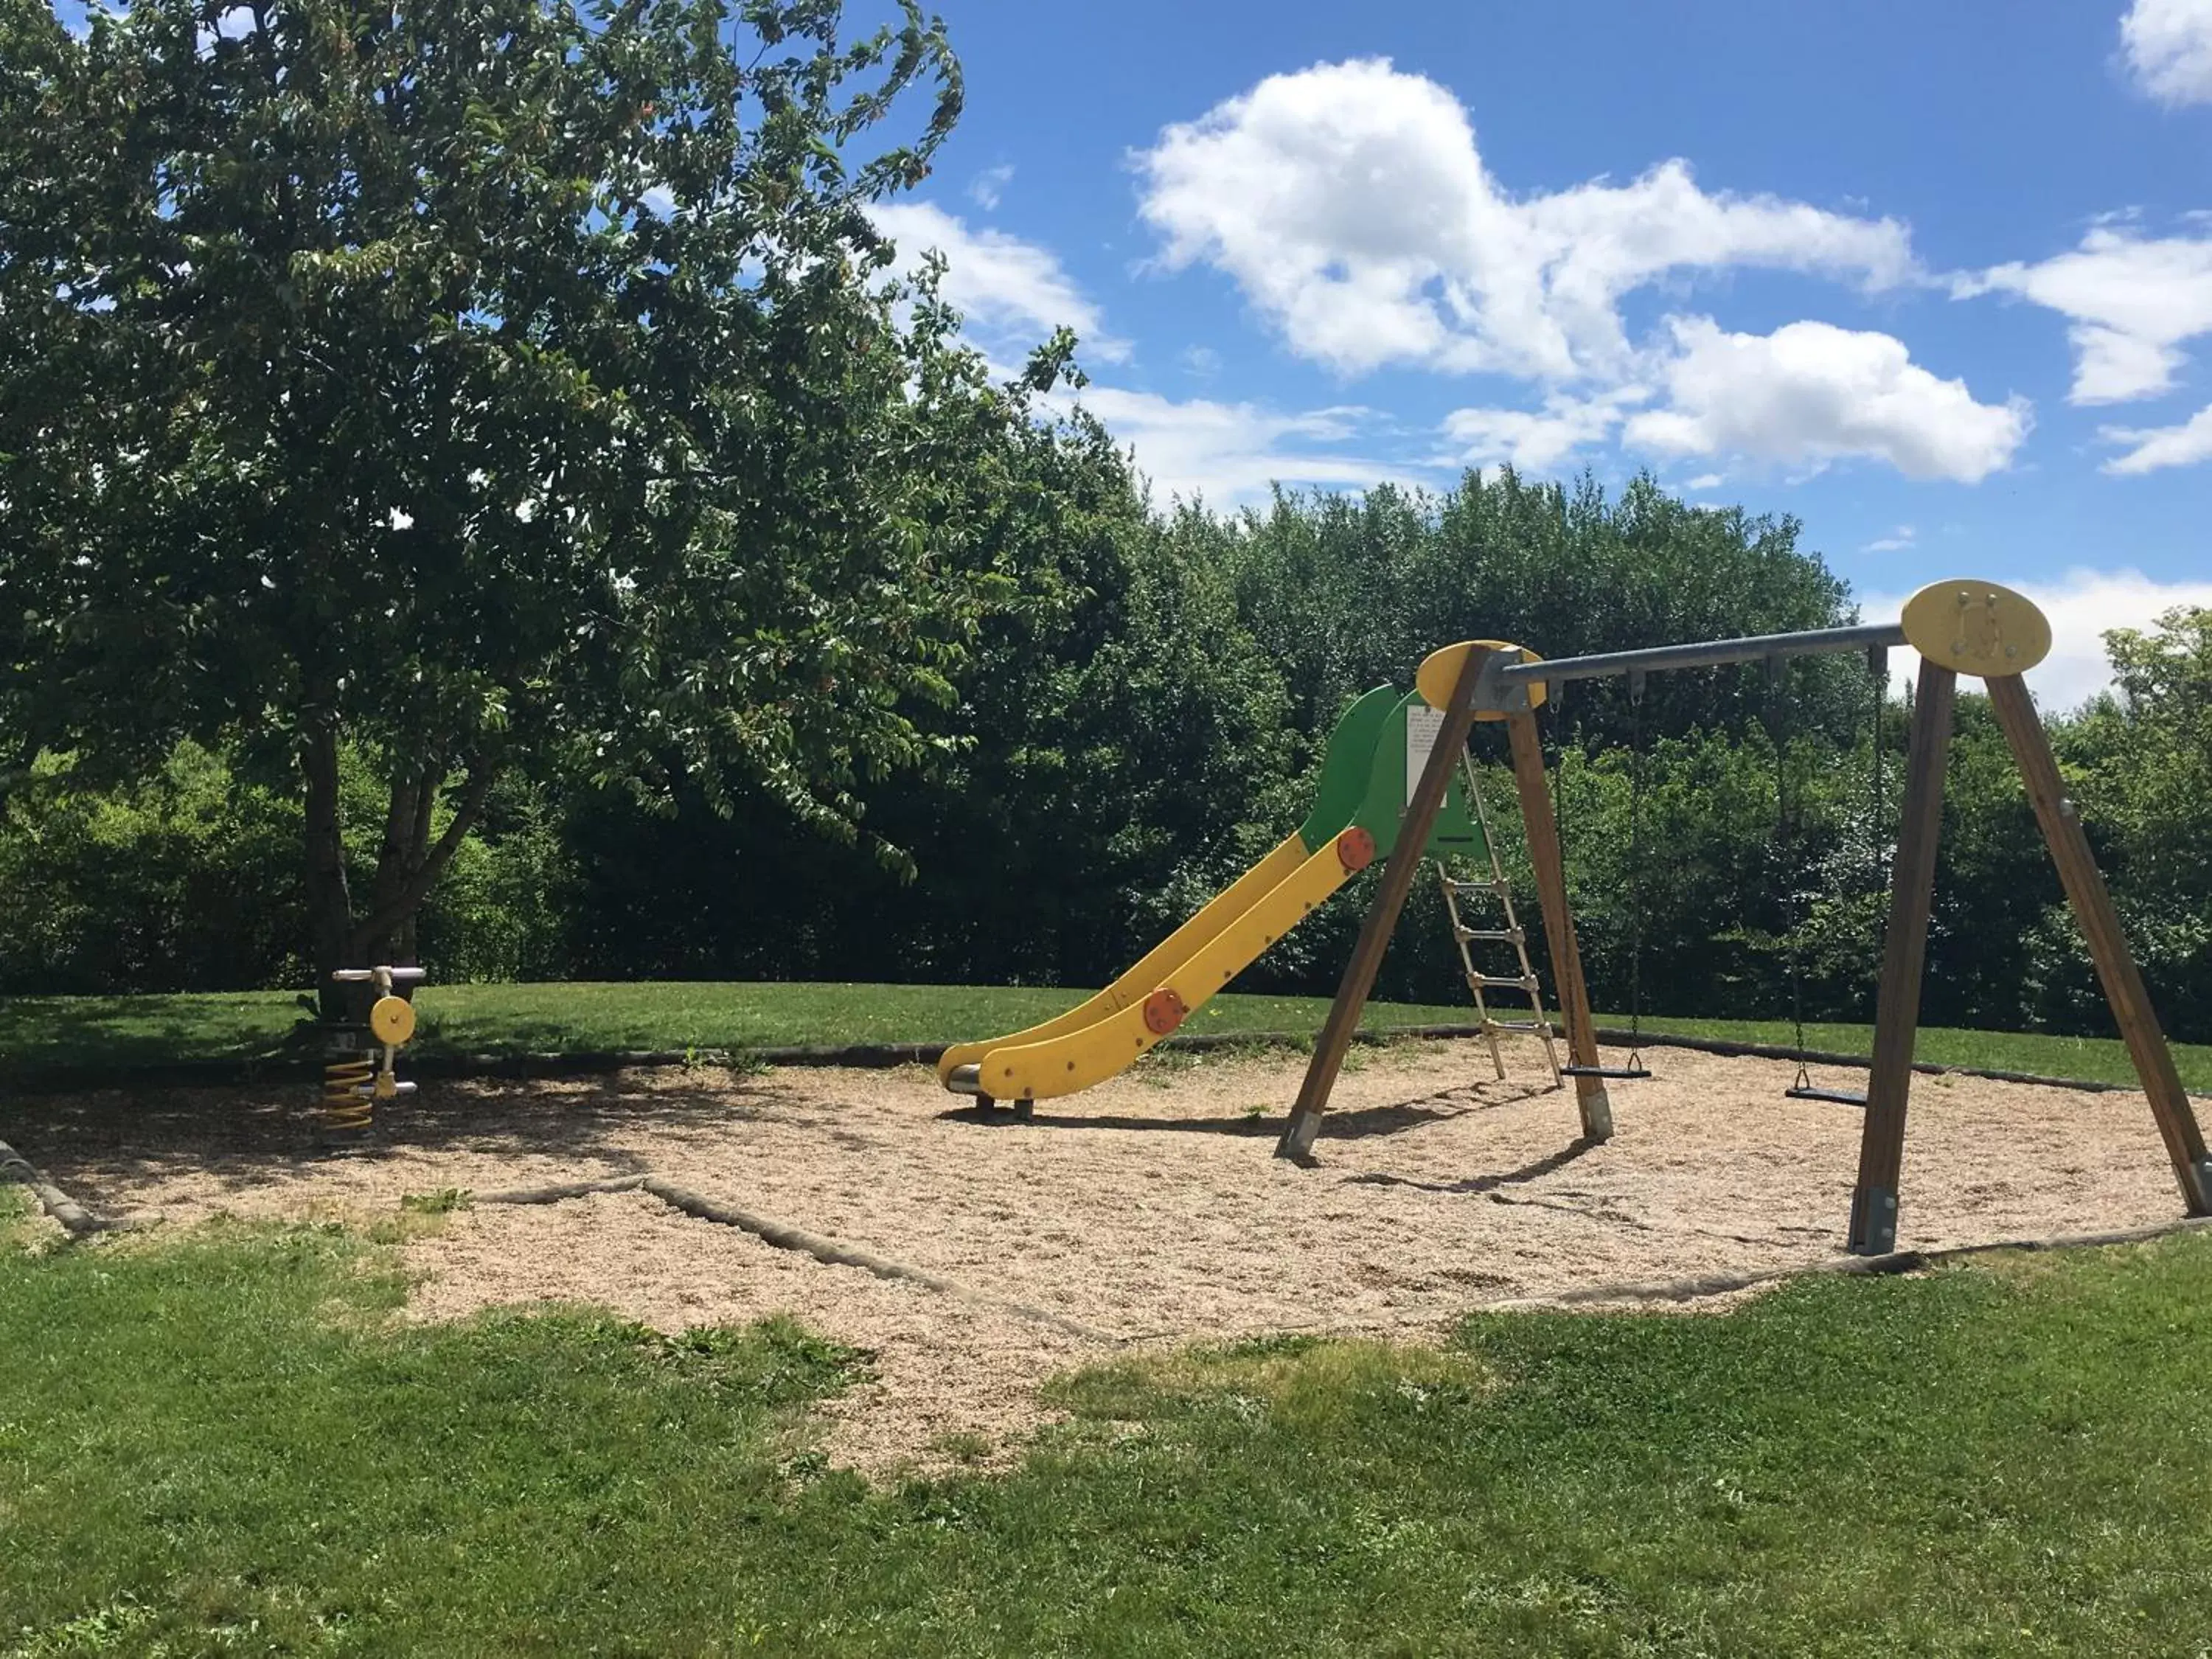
(1874, 1221)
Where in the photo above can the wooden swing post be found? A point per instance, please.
(1904, 953)
(1404, 863)
(2108, 946)
(1541, 827)
(1980, 629)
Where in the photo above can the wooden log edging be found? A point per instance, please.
(1730, 1049)
(1892, 1262)
(783, 1236)
(828, 1250)
(76, 1219)
(870, 1056)
(558, 1191)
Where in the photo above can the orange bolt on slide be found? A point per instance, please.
(1355, 848)
(1163, 1011)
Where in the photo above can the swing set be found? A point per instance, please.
(1803, 1087)
(1960, 627)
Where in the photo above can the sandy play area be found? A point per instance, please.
(1150, 1209)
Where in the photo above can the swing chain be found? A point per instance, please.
(1785, 837)
(1635, 678)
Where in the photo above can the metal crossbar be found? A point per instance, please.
(1524, 982)
(1704, 653)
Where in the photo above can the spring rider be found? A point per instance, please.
(359, 1075)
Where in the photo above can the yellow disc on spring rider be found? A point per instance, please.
(1977, 628)
(392, 1020)
(1440, 670)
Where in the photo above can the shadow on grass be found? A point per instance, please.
(142, 1030)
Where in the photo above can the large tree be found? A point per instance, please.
(489, 387)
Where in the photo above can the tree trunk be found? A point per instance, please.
(405, 847)
(330, 900)
(405, 945)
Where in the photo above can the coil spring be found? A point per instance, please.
(345, 1104)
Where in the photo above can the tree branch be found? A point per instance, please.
(410, 893)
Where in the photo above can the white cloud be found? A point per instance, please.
(988, 186)
(1229, 453)
(1350, 204)
(2133, 301)
(1811, 393)
(1705, 481)
(2083, 605)
(1536, 441)
(1012, 293)
(2168, 45)
(1897, 541)
(2161, 446)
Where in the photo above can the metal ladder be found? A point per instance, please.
(1537, 1025)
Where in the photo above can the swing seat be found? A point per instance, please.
(1805, 1089)
(1635, 1068)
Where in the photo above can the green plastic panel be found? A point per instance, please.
(1384, 803)
(1348, 764)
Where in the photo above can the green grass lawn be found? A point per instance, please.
(48, 1032)
(222, 1443)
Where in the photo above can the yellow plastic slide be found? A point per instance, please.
(1091, 1043)
(1150, 971)
(1353, 818)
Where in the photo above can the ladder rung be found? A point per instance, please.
(1498, 886)
(1532, 1026)
(1504, 981)
(1493, 935)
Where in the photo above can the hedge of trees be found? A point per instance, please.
(1147, 721)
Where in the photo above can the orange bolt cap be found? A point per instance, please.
(1163, 1011)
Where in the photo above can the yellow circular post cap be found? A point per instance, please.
(392, 1020)
(1440, 671)
(1977, 628)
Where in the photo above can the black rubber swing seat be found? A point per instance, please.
(1804, 1089)
(1635, 1068)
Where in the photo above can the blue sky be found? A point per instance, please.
(1935, 279)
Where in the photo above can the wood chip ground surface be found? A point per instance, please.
(1150, 1207)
